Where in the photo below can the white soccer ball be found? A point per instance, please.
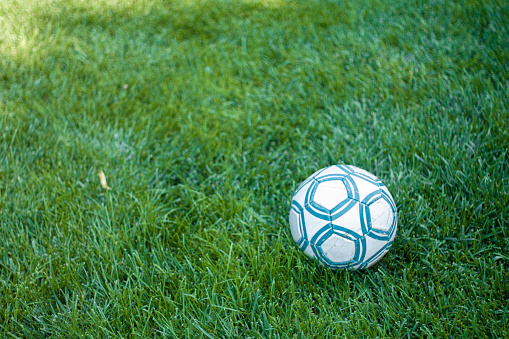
(344, 217)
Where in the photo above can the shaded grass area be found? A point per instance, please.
(205, 116)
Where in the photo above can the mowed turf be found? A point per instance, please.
(204, 117)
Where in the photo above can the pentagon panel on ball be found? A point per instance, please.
(344, 217)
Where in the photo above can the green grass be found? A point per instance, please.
(205, 116)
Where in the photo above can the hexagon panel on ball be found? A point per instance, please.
(381, 218)
(330, 196)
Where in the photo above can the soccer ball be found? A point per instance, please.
(344, 217)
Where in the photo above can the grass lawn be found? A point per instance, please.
(204, 117)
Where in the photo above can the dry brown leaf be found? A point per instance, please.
(102, 178)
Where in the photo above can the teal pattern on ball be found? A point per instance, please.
(344, 217)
